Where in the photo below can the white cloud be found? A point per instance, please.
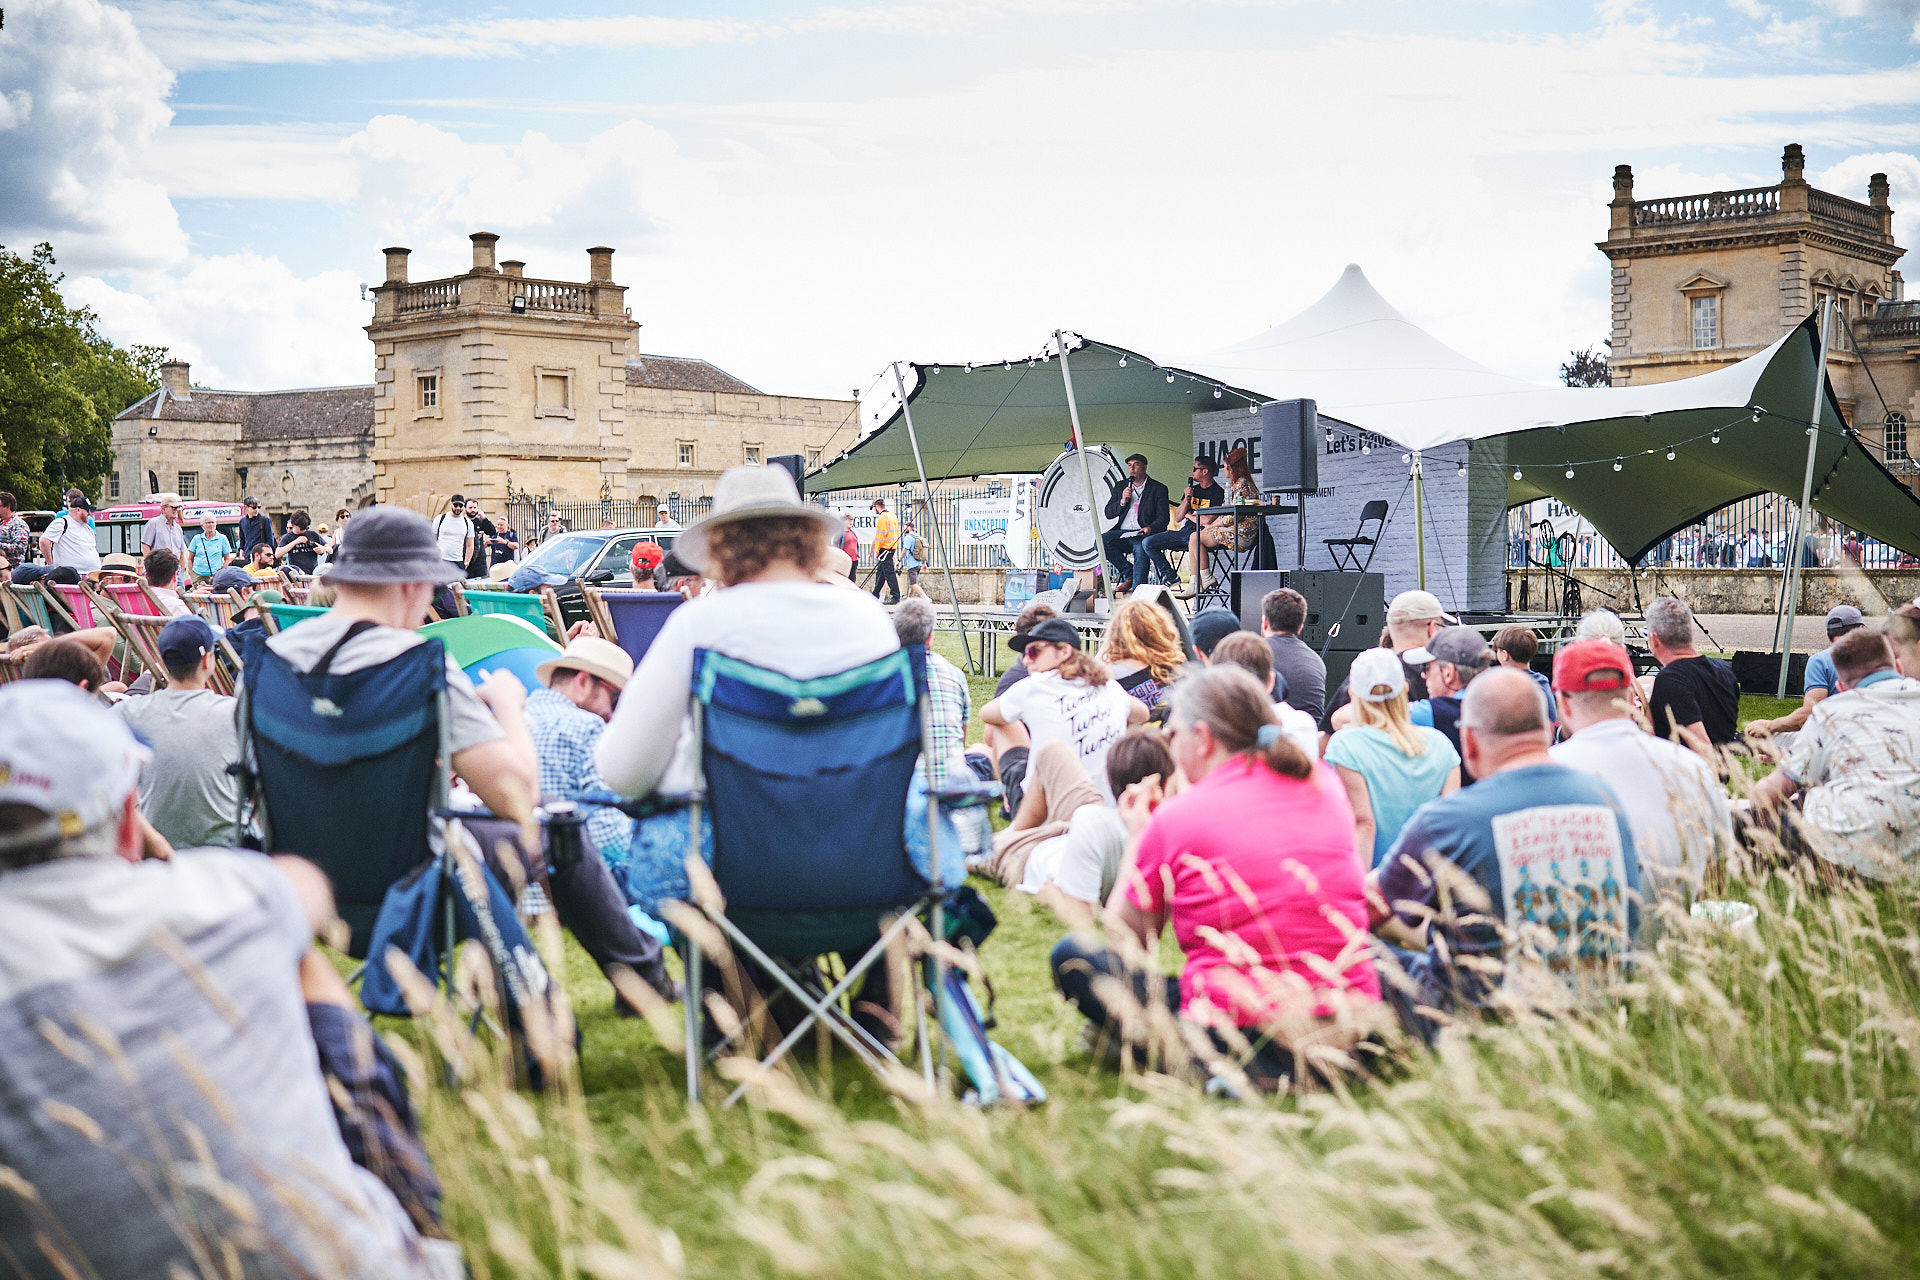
(1849, 178)
(80, 100)
(244, 321)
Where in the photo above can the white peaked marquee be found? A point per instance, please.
(1645, 461)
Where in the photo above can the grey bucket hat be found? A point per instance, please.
(390, 544)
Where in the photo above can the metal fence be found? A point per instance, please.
(528, 514)
(1753, 533)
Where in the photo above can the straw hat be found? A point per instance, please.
(591, 654)
(749, 493)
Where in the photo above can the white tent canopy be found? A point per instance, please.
(1370, 367)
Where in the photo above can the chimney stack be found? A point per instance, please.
(483, 242)
(513, 267)
(173, 376)
(396, 264)
(600, 265)
(1793, 164)
(1620, 220)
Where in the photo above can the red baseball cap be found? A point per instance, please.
(1591, 666)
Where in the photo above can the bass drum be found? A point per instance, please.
(1066, 533)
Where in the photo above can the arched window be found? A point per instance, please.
(1894, 438)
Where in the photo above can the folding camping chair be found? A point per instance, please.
(141, 633)
(537, 608)
(351, 786)
(1346, 551)
(841, 751)
(217, 607)
(278, 617)
(10, 668)
(631, 619)
(351, 772)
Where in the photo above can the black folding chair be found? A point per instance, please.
(1346, 551)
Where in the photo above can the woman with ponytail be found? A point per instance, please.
(1253, 865)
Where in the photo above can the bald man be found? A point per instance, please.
(1538, 859)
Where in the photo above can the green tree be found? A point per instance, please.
(1586, 369)
(61, 383)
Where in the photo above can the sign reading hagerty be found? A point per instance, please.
(1005, 522)
(860, 516)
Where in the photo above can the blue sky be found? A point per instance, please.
(802, 192)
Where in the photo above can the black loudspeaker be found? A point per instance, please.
(792, 463)
(1355, 602)
(1289, 447)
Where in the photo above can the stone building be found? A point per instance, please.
(1702, 281)
(487, 383)
(291, 449)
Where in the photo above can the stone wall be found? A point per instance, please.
(317, 474)
(721, 426)
(204, 449)
(1755, 591)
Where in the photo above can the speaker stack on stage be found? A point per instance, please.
(791, 463)
(1357, 602)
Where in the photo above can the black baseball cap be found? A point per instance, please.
(1045, 631)
(186, 639)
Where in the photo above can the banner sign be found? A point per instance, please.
(1005, 522)
(860, 517)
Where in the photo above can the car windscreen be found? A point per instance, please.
(566, 555)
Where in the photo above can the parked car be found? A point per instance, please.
(595, 558)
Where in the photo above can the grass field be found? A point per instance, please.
(1746, 1105)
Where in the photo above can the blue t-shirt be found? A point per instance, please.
(1820, 673)
(1397, 783)
(1553, 852)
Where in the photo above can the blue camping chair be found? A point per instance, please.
(350, 771)
(631, 619)
(840, 750)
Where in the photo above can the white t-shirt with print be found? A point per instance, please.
(1088, 717)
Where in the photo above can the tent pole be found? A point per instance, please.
(1086, 473)
(933, 518)
(1420, 519)
(1790, 597)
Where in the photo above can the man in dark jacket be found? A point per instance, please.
(1139, 503)
(254, 527)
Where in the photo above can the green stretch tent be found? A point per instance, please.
(1369, 367)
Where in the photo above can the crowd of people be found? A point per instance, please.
(1455, 825)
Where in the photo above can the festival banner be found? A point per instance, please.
(1005, 521)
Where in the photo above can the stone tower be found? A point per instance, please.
(1702, 281)
(491, 377)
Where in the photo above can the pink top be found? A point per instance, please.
(1257, 871)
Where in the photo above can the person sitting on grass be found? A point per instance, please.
(1250, 652)
(1858, 762)
(1254, 867)
(1142, 650)
(1068, 695)
(1818, 684)
(1534, 853)
(1036, 611)
(1389, 765)
(1695, 700)
(1903, 633)
(1514, 648)
(1677, 808)
(1065, 844)
(950, 703)
(176, 1047)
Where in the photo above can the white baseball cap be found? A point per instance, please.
(1376, 676)
(77, 766)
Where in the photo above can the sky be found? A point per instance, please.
(803, 192)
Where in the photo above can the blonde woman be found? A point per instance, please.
(1215, 531)
(1390, 765)
(1142, 650)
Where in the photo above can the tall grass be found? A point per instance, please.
(1744, 1104)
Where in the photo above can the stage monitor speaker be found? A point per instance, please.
(1289, 447)
(792, 463)
(1357, 602)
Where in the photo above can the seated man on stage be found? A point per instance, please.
(1139, 503)
(1202, 491)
